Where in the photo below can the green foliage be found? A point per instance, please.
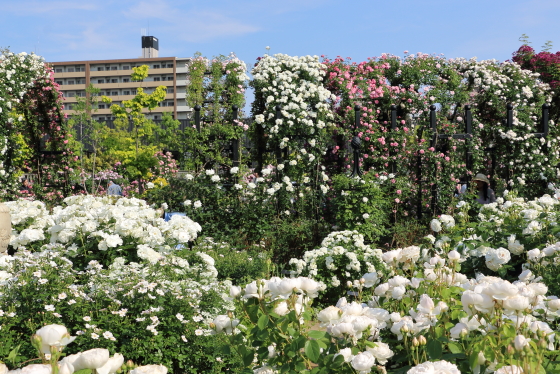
(239, 266)
(361, 205)
(115, 305)
(291, 237)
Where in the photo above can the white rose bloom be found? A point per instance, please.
(282, 309)
(113, 241)
(234, 291)
(197, 204)
(370, 279)
(431, 238)
(149, 369)
(363, 362)
(92, 359)
(33, 369)
(437, 367)
(516, 303)
(225, 324)
(381, 352)
(113, 364)
(454, 255)
(346, 353)
(435, 225)
(534, 254)
(447, 221)
(329, 315)
(148, 254)
(234, 170)
(54, 335)
(458, 330)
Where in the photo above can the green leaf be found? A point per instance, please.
(508, 331)
(248, 357)
(454, 347)
(83, 371)
(300, 366)
(434, 349)
(322, 344)
(226, 350)
(315, 334)
(338, 361)
(13, 354)
(263, 322)
(473, 358)
(312, 350)
(252, 312)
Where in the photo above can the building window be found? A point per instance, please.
(156, 66)
(115, 93)
(126, 80)
(70, 70)
(114, 68)
(58, 70)
(100, 68)
(99, 81)
(170, 89)
(157, 79)
(101, 118)
(156, 117)
(170, 78)
(126, 67)
(126, 93)
(133, 92)
(170, 65)
(114, 81)
(70, 82)
(59, 82)
(101, 106)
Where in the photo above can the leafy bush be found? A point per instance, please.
(342, 258)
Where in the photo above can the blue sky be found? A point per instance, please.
(73, 30)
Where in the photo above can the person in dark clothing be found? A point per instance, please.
(485, 193)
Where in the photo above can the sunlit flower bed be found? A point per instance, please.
(474, 299)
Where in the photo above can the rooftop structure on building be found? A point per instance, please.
(112, 77)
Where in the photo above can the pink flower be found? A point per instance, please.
(399, 192)
(397, 200)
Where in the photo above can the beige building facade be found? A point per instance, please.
(112, 77)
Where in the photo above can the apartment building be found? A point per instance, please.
(112, 77)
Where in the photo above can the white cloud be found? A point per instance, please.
(26, 7)
(189, 25)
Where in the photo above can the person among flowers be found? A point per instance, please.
(485, 193)
(114, 189)
(25, 186)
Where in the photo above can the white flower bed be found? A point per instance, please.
(106, 222)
